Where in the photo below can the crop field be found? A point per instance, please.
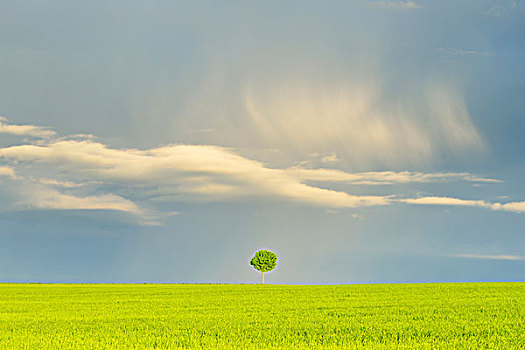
(146, 316)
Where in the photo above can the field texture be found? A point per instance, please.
(382, 316)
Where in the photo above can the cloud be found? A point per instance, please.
(501, 8)
(45, 198)
(362, 127)
(25, 130)
(446, 201)
(65, 184)
(346, 102)
(332, 158)
(452, 51)
(382, 177)
(516, 207)
(71, 173)
(491, 257)
(210, 171)
(6, 171)
(394, 5)
(29, 194)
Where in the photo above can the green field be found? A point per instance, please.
(145, 316)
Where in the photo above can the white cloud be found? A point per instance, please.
(212, 171)
(446, 201)
(29, 193)
(44, 198)
(185, 169)
(25, 130)
(395, 5)
(6, 171)
(67, 173)
(516, 207)
(65, 184)
(491, 257)
(331, 158)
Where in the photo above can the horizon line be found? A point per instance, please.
(258, 283)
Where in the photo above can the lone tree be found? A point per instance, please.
(264, 261)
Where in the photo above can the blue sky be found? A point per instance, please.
(362, 141)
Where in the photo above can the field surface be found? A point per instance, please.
(381, 316)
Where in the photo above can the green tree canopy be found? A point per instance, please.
(264, 261)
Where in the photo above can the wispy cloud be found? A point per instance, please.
(25, 130)
(491, 257)
(446, 201)
(65, 184)
(46, 198)
(452, 51)
(516, 207)
(395, 5)
(26, 193)
(359, 126)
(329, 159)
(501, 8)
(383, 177)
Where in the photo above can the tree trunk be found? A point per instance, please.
(263, 276)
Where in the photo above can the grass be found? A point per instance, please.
(384, 316)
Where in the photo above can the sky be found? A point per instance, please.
(361, 141)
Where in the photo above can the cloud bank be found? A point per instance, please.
(72, 173)
(206, 171)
